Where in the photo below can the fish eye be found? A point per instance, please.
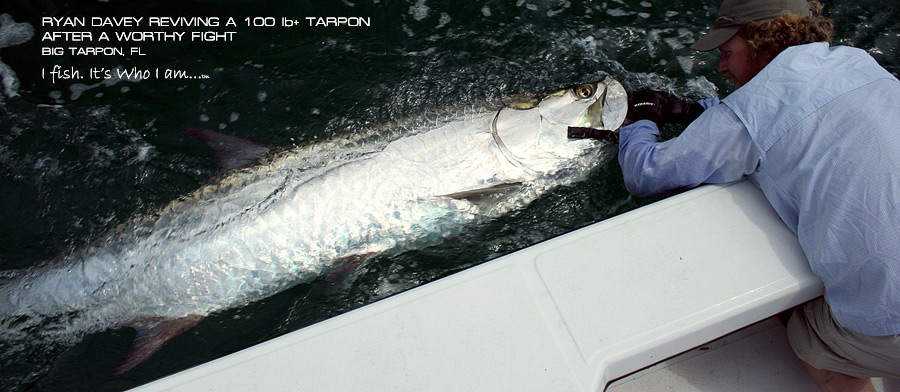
(584, 91)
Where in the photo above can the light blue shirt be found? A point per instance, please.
(818, 130)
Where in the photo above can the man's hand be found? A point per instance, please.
(646, 105)
(661, 108)
(681, 111)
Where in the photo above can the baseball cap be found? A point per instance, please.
(734, 14)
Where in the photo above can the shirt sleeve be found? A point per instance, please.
(708, 102)
(715, 148)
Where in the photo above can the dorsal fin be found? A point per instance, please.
(151, 336)
(232, 152)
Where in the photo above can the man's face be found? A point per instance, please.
(736, 64)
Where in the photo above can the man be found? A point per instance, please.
(817, 128)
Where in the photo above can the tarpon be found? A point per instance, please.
(304, 212)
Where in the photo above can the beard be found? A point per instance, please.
(730, 76)
(737, 83)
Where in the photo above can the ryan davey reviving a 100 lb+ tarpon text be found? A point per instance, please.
(303, 212)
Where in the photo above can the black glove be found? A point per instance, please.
(661, 108)
(682, 111)
(646, 105)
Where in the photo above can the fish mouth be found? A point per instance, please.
(605, 116)
(611, 108)
(595, 110)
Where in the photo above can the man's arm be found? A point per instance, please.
(715, 148)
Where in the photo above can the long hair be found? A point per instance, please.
(787, 30)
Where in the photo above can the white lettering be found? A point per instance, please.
(154, 36)
(337, 21)
(181, 21)
(127, 21)
(73, 36)
(62, 22)
(96, 51)
(133, 74)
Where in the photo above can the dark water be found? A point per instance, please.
(79, 156)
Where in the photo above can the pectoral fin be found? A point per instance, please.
(340, 270)
(344, 265)
(232, 152)
(488, 194)
(151, 336)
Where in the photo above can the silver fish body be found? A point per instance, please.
(266, 228)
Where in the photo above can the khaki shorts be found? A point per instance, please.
(820, 341)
